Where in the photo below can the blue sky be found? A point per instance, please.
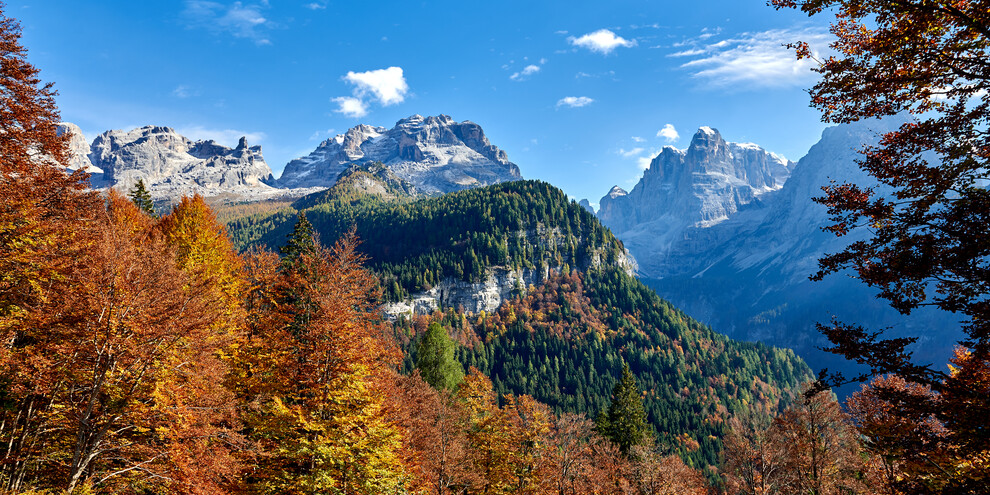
(580, 94)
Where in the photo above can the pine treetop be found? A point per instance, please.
(142, 198)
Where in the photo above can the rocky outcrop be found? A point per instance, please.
(78, 146)
(173, 166)
(170, 164)
(435, 154)
(685, 189)
(499, 286)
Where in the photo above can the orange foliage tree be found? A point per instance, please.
(314, 385)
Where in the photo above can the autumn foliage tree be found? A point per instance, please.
(927, 242)
(313, 386)
(812, 447)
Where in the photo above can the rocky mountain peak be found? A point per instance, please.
(436, 154)
(707, 146)
(172, 165)
(616, 191)
(693, 188)
(78, 146)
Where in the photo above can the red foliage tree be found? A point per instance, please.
(927, 242)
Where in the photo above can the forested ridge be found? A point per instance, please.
(414, 245)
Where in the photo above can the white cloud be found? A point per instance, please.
(351, 106)
(757, 59)
(574, 101)
(525, 73)
(387, 85)
(226, 137)
(602, 41)
(643, 162)
(316, 5)
(669, 133)
(630, 153)
(637, 139)
(236, 19)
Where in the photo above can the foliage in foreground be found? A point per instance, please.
(927, 239)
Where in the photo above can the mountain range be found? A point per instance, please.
(433, 154)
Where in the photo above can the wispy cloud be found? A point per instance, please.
(574, 101)
(630, 153)
(182, 91)
(637, 139)
(226, 137)
(351, 106)
(602, 41)
(669, 133)
(525, 73)
(236, 19)
(316, 5)
(688, 53)
(318, 135)
(754, 59)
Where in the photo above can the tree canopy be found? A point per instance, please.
(927, 242)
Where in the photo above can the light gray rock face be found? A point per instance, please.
(472, 297)
(584, 203)
(435, 154)
(171, 165)
(78, 146)
(694, 188)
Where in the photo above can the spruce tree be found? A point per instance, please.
(625, 421)
(142, 198)
(302, 240)
(435, 359)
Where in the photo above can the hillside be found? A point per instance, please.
(539, 295)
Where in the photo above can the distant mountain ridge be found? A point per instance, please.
(435, 154)
(747, 274)
(684, 189)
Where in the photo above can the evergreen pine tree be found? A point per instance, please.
(625, 421)
(142, 198)
(301, 240)
(435, 359)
